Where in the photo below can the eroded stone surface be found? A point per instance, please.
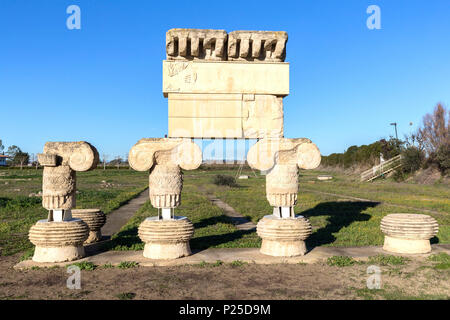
(165, 185)
(282, 185)
(257, 45)
(225, 77)
(149, 151)
(283, 237)
(58, 241)
(166, 239)
(61, 160)
(95, 219)
(225, 115)
(267, 152)
(189, 44)
(408, 233)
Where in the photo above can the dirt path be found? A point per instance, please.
(238, 220)
(119, 217)
(343, 196)
(226, 281)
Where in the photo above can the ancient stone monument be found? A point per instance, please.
(95, 219)
(167, 235)
(60, 237)
(408, 233)
(223, 85)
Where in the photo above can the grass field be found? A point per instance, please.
(337, 220)
(106, 190)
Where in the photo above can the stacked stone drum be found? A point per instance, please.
(95, 219)
(408, 233)
(58, 241)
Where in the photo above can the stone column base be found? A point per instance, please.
(283, 248)
(166, 239)
(283, 237)
(58, 241)
(408, 232)
(95, 219)
(167, 250)
(58, 254)
(94, 236)
(397, 245)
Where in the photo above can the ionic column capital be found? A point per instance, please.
(268, 152)
(167, 151)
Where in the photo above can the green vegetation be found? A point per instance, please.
(394, 293)
(85, 265)
(127, 264)
(442, 259)
(224, 180)
(204, 264)
(428, 146)
(340, 261)
(365, 155)
(386, 260)
(126, 295)
(237, 263)
(211, 227)
(336, 219)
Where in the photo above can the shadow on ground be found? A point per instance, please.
(340, 214)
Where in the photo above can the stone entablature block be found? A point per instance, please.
(217, 45)
(267, 46)
(225, 115)
(190, 44)
(225, 77)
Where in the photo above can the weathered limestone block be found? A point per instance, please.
(60, 161)
(283, 237)
(189, 44)
(225, 77)
(262, 116)
(58, 241)
(59, 187)
(408, 233)
(282, 185)
(257, 45)
(166, 239)
(225, 115)
(95, 219)
(165, 184)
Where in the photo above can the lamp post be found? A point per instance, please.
(395, 125)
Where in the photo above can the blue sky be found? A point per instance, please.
(103, 83)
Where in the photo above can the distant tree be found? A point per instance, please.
(21, 158)
(412, 159)
(2, 147)
(435, 130)
(17, 156)
(12, 151)
(118, 161)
